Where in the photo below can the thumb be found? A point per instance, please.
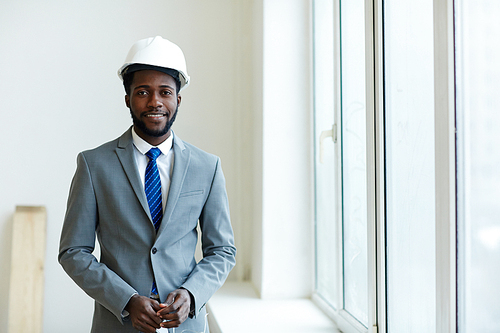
(170, 298)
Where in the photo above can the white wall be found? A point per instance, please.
(287, 173)
(59, 94)
(249, 103)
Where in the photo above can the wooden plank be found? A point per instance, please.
(27, 270)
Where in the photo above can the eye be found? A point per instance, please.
(166, 92)
(142, 92)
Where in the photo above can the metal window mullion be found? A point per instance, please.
(375, 161)
(338, 151)
(445, 166)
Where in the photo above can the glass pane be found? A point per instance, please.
(409, 135)
(327, 236)
(352, 18)
(478, 155)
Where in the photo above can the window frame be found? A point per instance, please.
(344, 320)
(445, 168)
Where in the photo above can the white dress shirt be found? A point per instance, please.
(165, 162)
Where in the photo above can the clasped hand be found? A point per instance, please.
(147, 315)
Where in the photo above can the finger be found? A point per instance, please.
(145, 328)
(181, 314)
(149, 320)
(170, 298)
(173, 307)
(174, 320)
(148, 316)
(169, 306)
(163, 312)
(155, 305)
(171, 324)
(154, 320)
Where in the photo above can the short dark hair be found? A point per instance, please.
(128, 75)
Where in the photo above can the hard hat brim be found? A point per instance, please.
(134, 67)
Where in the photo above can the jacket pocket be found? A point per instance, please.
(190, 193)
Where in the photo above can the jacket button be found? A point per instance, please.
(154, 250)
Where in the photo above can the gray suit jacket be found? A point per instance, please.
(107, 199)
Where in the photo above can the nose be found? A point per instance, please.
(155, 101)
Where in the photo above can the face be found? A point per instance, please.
(153, 104)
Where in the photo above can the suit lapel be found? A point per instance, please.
(181, 162)
(125, 152)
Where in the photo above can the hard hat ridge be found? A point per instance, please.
(157, 52)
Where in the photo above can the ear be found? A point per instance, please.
(179, 97)
(127, 101)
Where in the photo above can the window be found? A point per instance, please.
(328, 232)
(409, 165)
(407, 205)
(340, 129)
(478, 165)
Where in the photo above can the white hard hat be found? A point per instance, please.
(159, 52)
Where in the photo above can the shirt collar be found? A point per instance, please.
(143, 147)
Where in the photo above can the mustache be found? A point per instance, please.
(154, 111)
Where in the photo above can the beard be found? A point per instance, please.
(153, 133)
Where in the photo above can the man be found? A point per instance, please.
(143, 195)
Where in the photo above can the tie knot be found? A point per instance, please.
(153, 153)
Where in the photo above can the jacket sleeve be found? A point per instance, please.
(78, 242)
(217, 244)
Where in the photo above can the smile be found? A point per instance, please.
(155, 115)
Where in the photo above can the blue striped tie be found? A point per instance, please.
(152, 187)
